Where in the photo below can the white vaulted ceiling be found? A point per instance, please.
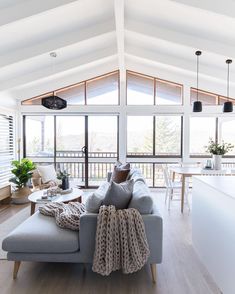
(92, 37)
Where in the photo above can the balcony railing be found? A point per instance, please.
(80, 154)
(97, 171)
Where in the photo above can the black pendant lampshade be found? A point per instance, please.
(228, 105)
(197, 105)
(54, 102)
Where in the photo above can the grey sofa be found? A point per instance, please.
(40, 239)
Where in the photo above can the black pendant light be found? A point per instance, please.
(228, 105)
(197, 105)
(54, 102)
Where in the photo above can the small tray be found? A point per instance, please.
(63, 192)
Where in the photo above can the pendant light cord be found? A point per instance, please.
(197, 74)
(198, 53)
(228, 83)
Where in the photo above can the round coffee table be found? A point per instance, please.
(75, 195)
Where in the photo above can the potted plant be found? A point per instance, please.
(22, 171)
(64, 177)
(217, 150)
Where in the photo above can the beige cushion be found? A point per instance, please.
(47, 172)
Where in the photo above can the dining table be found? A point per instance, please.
(186, 172)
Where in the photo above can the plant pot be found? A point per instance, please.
(217, 161)
(20, 196)
(65, 183)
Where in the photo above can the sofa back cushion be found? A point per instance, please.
(141, 198)
(136, 175)
(119, 195)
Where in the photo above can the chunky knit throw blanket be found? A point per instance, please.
(66, 215)
(121, 241)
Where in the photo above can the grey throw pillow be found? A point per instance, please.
(93, 203)
(119, 195)
(94, 200)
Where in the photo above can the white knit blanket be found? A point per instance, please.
(121, 241)
(66, 215)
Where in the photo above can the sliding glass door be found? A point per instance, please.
(85, 146)
(70, 147)
(102, 147)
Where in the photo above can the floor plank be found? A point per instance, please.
(10, 210)
(180, 273)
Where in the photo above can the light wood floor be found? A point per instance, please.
(180, 273)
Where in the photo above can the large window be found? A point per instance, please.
(70, 137)
(6, 147)
(168, 93)
(103, 90)
(140, 135)
(145, 90)
(102, 134)
(201, 129)
(205, 97)
(168, 135)
(208, 98)
(143, 141)
(140, 89)
(226, 127)
(75, 95)
(39, 139)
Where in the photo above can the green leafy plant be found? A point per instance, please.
(62, 175)
(218, 149)
(23, 171)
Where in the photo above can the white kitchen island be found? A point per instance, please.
(213, 227)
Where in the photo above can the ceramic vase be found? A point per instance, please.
(217, 161)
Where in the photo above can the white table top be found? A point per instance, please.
(184, 170)
(59, 198)
(224, 184)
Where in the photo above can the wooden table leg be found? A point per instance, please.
(173, 176)
(32, 208)
(182, 193)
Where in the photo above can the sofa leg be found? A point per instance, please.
(16, 268)
(154, 272)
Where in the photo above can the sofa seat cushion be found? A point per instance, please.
(40, 234)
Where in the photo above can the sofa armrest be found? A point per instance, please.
(154, 232)
(87, 233)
